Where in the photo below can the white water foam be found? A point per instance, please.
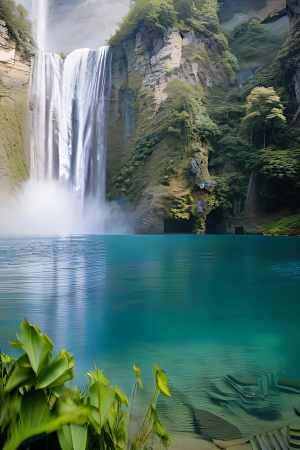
(47, 208)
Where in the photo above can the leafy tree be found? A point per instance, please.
(18, 26)
(263, 108)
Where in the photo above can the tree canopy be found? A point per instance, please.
(263, 107)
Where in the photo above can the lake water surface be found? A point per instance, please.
(199, 306)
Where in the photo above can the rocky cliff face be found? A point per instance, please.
(14, 115)
(146, 166)
(290, 54)
(293, 12)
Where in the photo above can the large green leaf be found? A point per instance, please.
(58, 372)
(37, 419)
(116, 427)
(121, 397)
(102, 400)
(9, 409)
(21, 375)
(158, 429)
(37, 346)
(73, 437)
(161, 380)
(46, 373)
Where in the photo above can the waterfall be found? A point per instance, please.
(38, 11)
(69, 107)
(69, 113)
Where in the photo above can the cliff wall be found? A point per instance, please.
(14, 115)
(163, 174)
(289, 56)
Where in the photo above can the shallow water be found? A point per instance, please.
(199, 306)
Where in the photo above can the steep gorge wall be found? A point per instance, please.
(159, 181)
(14, 115)
(289, 56)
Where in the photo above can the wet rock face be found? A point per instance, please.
(293, 12)
(14, 115)
(293, 8)
(142, 67)
(291, 63)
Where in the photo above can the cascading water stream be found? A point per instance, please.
(38, 11)
(69, 112)
(69, 109)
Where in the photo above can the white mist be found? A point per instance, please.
(47, 208)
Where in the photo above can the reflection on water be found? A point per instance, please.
(202, 307)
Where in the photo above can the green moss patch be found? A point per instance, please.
(287, 226)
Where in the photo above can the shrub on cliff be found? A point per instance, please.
(18, 26)
(154, 14)
(189, 116)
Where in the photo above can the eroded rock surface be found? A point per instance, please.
(14, 115)
(142, 67)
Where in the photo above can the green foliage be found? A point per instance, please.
(290, 49)
(206, 17)
(263, 108)
(248, 52)
(233, 156)
(276, 163)
(256, 31)
(205, 21)
(138, 376)
(36, 418)
(154, 14)
(254, 44)
(151, 423)
(182, 208)
(18, 26)
(34, 401)
(284, 227)
(36, 368)
(200, 16)
(183, 7)
(189, 117)
(230, 63)
(198, 53)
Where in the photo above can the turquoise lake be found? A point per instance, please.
(199, 306)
